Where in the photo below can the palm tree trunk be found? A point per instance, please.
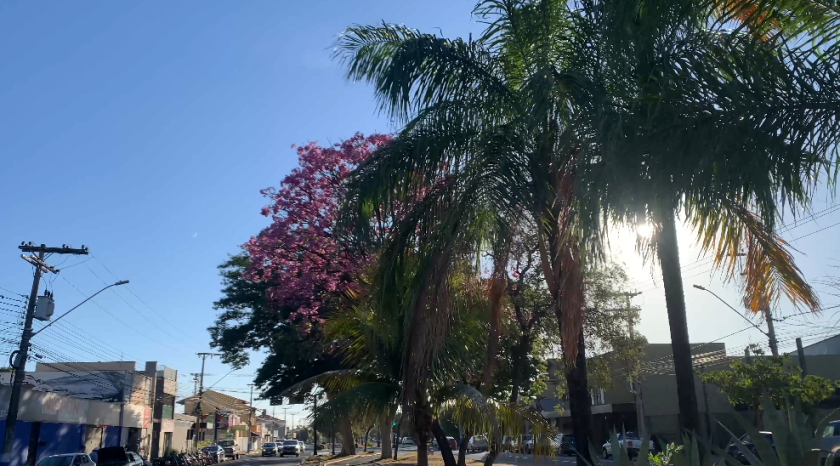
(580, 403)
(348, 443)
(422, 427)
(667, 250)
(443, 444)
(462, 448)
(498, 284)
(385, 424)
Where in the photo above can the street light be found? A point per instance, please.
(730, 307)
(119, 283)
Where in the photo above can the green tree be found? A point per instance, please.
(248, 322)
(769, 378)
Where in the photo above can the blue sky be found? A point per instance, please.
(145, 131)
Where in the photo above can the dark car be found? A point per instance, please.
(216, 453)
(269, 449)
(117, 456)
(568, 446)
(747, 442)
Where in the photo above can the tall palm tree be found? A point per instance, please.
(713, 112)
(485, 137)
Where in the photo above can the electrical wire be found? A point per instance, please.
(117, 318)
(136, 296)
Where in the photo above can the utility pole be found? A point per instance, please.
(195, 382)
(637, 384)
(197, 409)
(23, 352)
(800, 352)
(771, 332)
(314, 425)
(250, 414)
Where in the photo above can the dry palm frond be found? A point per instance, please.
(768, 270)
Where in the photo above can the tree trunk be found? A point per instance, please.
(462, 448)
(491, 455)
(498, 286)
(385, 424)
(443, 444)
(520, 355)
(348, 443)
(580, 403)
(422, 426)
(667, 250)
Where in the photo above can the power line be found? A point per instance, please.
(129, 305)
(116, 318)
(135, 295)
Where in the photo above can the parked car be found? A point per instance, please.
(630, 441)
(831, 438)
(453, 444)
(747, 442)
(291, 447)
(231, 448)
(568, 446)
(67, 459)
(407, 441)
(269, 449)
(478, 443)
(217, 452)
(528, 444)
(118, 456)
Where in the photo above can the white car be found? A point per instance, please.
(630, 441)
(831, 438)
(407, 441)
(67, 459)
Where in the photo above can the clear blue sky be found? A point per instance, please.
(145, 131)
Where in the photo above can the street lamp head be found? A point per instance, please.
(699, 287)
(121, 282)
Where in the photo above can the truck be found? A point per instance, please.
(231, 448)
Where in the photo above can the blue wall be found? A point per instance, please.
(20, 447)
(111, 437)
(60, 438)
(56, 438)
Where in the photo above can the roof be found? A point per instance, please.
(218, 400)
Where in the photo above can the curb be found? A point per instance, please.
(338, 460)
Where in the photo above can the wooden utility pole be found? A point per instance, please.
(250, 413)
(197, 408)
(23, 352)
(771, 332)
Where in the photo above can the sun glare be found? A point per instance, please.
(645, 230)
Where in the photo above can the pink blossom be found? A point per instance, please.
(297, 252)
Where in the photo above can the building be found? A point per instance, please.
(829, 346)
(650, 406)
(231, 417)
(147, 395)
(270, 428)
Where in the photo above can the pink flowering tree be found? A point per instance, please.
(300, 253)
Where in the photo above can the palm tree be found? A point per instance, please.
(371, 341)
(715, 112)
(487, 145)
